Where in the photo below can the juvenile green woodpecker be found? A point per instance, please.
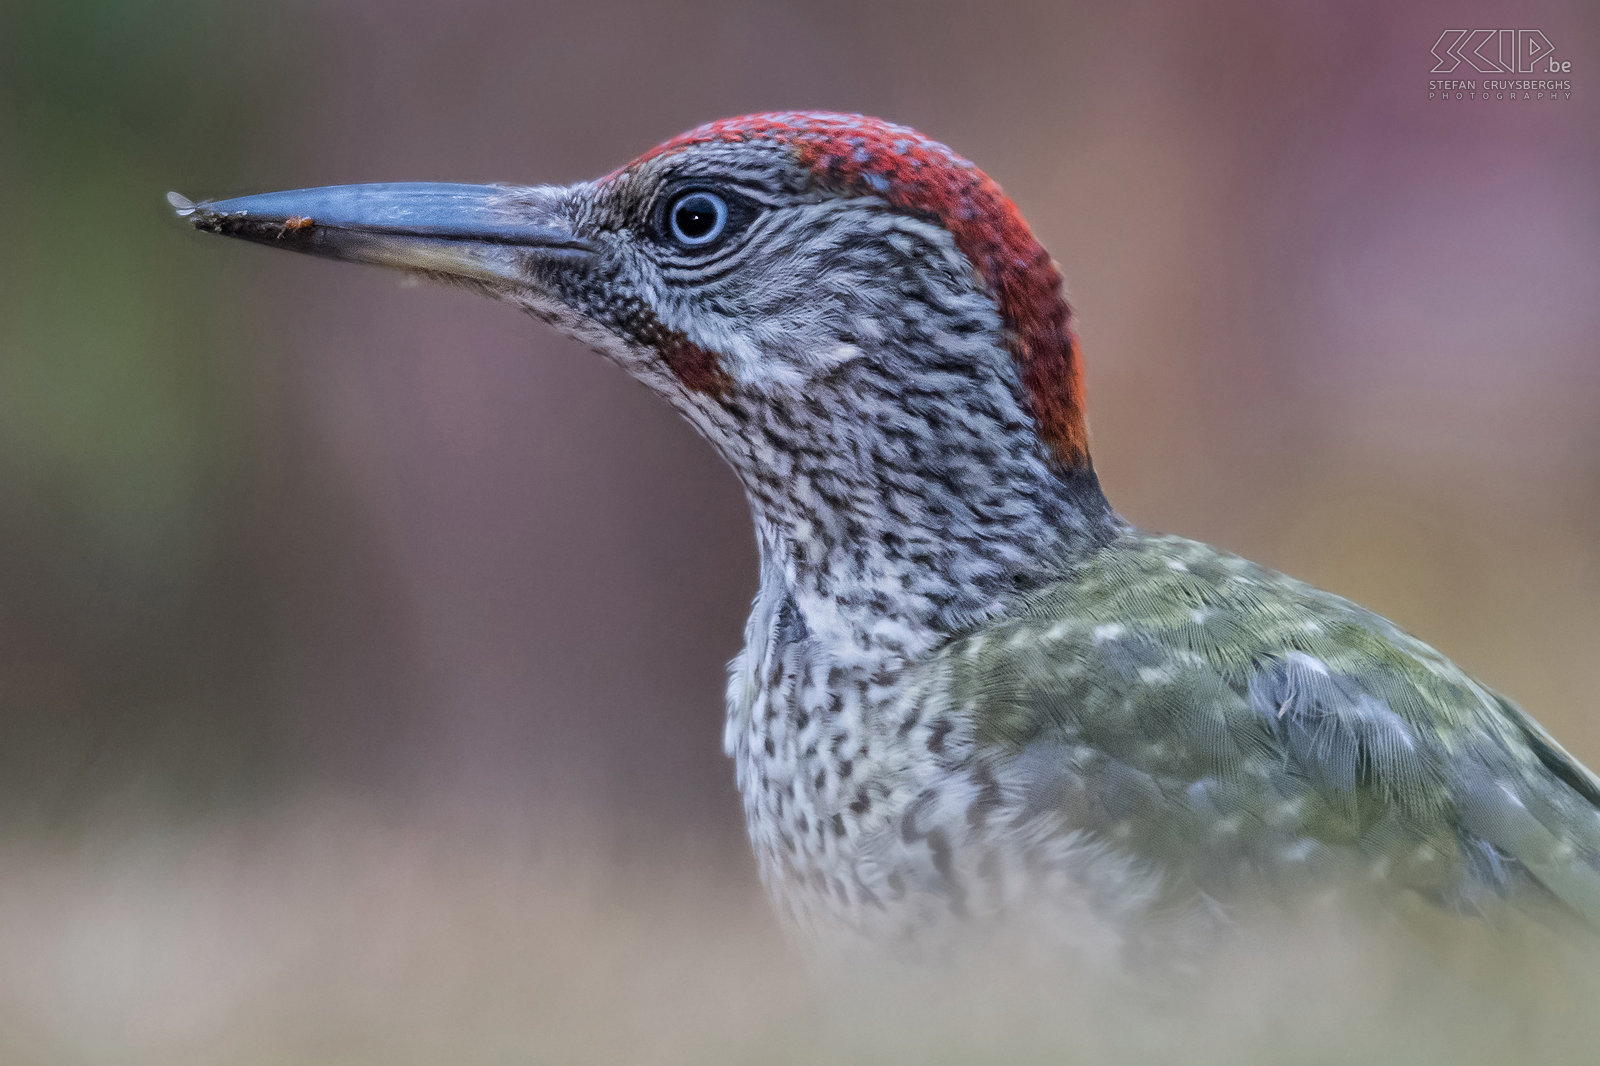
(971, 694)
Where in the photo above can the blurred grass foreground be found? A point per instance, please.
(332, 935)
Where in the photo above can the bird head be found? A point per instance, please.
(857, 317)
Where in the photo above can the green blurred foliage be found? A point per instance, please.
(129, 440)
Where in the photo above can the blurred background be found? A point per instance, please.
(362, 646)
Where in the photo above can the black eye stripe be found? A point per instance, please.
(696, 266)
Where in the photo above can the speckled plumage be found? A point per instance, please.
(971, 696)
(1165, 728)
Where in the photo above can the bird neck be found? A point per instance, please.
(893, 521)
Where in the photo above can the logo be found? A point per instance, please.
(1497, 52)
(1467, 53)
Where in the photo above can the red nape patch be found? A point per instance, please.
(861, 156)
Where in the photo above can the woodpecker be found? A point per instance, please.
(971, 695)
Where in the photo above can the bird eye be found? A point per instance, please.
(697, 218)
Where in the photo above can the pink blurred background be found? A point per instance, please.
(431, 546)
(402, 537)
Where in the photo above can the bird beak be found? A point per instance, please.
(495, 234)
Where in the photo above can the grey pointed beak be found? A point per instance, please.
(488, 233)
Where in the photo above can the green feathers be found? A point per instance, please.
(1248, 734)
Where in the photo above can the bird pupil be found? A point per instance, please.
(696, 216)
